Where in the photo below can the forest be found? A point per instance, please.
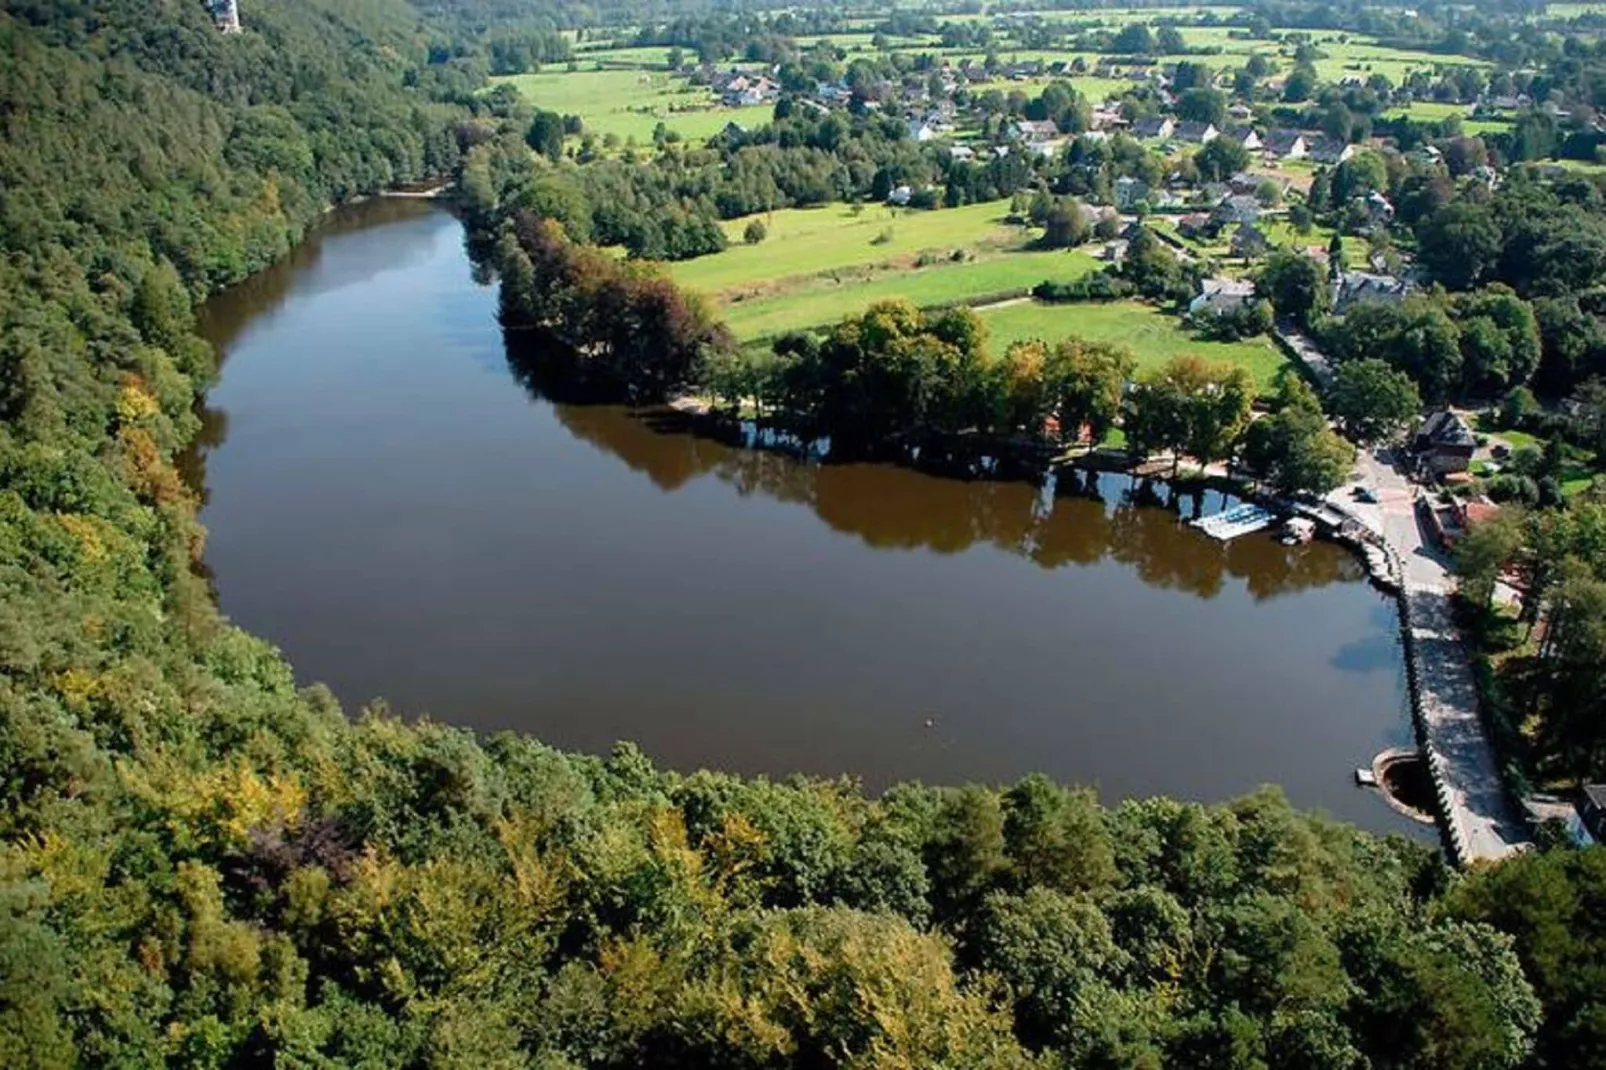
(204, 863)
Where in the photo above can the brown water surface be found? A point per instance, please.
(390, 506)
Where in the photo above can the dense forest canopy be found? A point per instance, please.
(204, 865)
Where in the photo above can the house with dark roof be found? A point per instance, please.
(1245, 136)
(1329, 151)
(1196, 133)
(1285, 145)
(1239, 208)
(1443, 444)
(1249, 243)
(1353, 287)
(1154, 128)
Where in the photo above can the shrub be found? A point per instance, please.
(1099, 286)
(755, 232)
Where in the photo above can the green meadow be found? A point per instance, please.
(827, 298)
(1152, 335)
(809, 241)
(631, 103)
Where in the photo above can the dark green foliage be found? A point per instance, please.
(1550, 903)
(1372, 400)
(1294, 449)
(1295, 285)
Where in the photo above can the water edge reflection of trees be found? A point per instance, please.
(1073, 517)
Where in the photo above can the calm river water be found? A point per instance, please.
(392, 508)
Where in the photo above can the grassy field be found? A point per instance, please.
(823, 299)
(809, 241)
(649, 57)
(1152, 335)
(631, 103)
(1435, 111)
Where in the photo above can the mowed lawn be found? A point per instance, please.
(821, 301)
(1153, 336)
(631, 103)
(809, 241)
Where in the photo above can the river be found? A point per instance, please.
(391, 507)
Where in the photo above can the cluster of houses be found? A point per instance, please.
(1272, 146)
(743, 89)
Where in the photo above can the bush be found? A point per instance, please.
(882, 238)
(1099, 286)
(1247, 321)
(755, 232)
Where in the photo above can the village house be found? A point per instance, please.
(921, 131)
(1249, 243)
(961, 153)
(1444, 444)
(1194, 226)
(1244, 136)
(1147, 129)
(1195, 133)
(1329, 151)
(1129, 191)
(1220, 297)
(1379, 212)
(1353, 287)
(1108, 117)
(1036, 132)
(1239, 208)
(1285, 145)
(1247, 183)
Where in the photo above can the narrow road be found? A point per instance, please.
(1481, 822)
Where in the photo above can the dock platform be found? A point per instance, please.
(1239, 520)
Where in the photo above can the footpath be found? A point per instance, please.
(1480, 823)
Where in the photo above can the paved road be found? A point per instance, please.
(1482, 822)
(1308, 352)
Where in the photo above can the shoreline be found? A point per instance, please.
(1475, 819)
